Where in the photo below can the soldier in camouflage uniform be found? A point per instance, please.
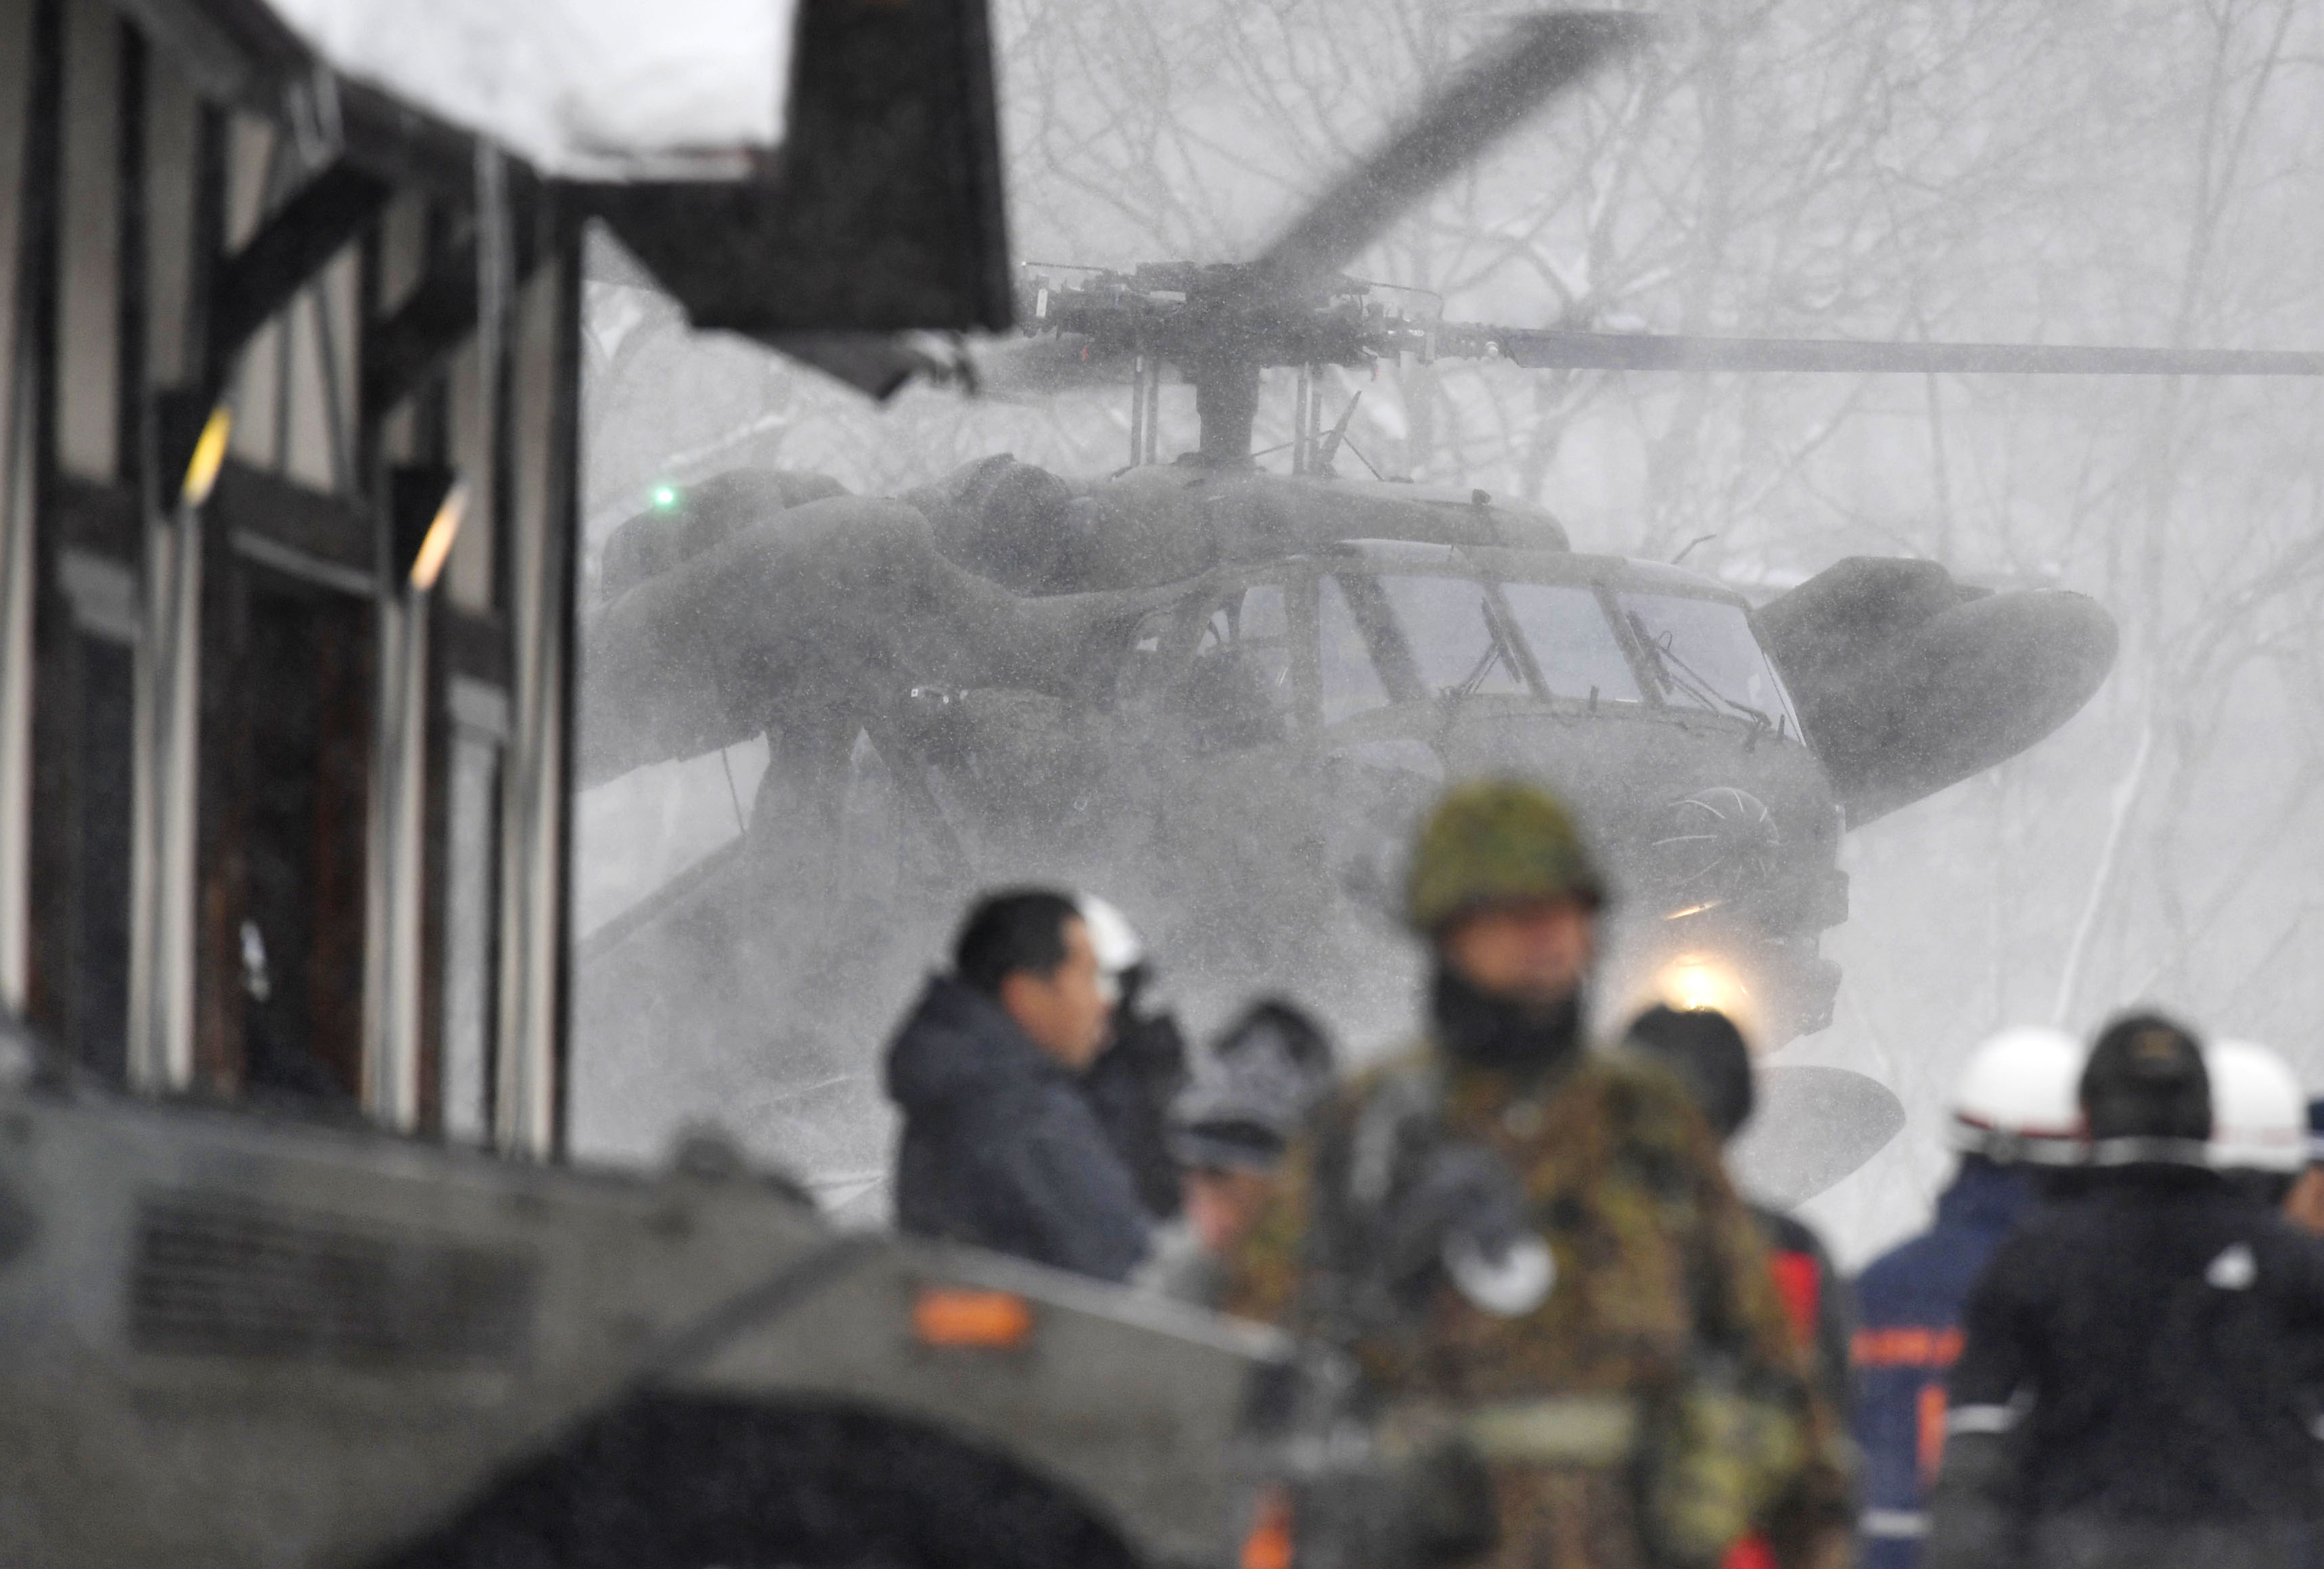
(1652, 1408)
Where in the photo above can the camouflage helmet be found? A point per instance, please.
(1495, 842)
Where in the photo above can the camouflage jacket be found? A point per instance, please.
(1663, 1305)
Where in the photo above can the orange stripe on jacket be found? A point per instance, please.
(1932, 1444)
(1906, 1346)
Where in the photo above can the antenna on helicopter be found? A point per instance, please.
(1329, 447)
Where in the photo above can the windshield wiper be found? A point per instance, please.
(1497, 652)
(1674, 674)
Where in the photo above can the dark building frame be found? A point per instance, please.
(274, 818)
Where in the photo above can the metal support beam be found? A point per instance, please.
(160, 1040)
(18, 459)
(1138, 409)
(24, 441)
(165, 869)
(393, 991)
(1302, 399)
(1153, 407)
(537, 329)
(425, 506)
(294, 244)
(399, 353)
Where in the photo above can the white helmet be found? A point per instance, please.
(2017, 1100)
(2259, 1114)
(1118, 947)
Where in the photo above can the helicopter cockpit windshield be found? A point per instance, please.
(1572, 641)
(1700, 653)
(1403, 636)
(1458, 640)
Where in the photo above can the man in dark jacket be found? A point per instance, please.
(2130, 1392)
(1000, 1147)
(1706, 1050)
(2014, 1121)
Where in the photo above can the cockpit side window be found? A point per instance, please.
(1348, 680)
(1255, 626)
(1701, 653)
(1157, 651)
(1239, 689)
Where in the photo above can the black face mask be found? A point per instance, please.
(1509, 1036)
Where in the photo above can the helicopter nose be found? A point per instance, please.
(1712, 847)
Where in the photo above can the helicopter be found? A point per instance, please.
(1223, 693)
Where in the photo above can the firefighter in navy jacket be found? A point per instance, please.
(2013, 1116)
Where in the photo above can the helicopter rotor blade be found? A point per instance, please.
(1543, 55)
(1608, 351)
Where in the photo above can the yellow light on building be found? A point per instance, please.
(435, 545)
(209, 457)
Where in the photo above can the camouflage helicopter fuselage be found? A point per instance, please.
(1224, 693)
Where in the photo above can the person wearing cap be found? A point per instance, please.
(2013, 1118)
(1229, 1129)
(2122, 1397)
(1531, 1251)
(1706, 1049)
(1141, 1068)
(1000, 1147)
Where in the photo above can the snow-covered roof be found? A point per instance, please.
(584, 89)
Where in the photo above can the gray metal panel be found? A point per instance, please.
(228, 1274)
(407, 1321)
(155, 1430)
(1128, 1403)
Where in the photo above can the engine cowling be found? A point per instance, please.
(1908, 681)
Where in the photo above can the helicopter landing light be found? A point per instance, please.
(1695, 982)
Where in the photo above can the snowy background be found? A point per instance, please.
(2139, 171)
